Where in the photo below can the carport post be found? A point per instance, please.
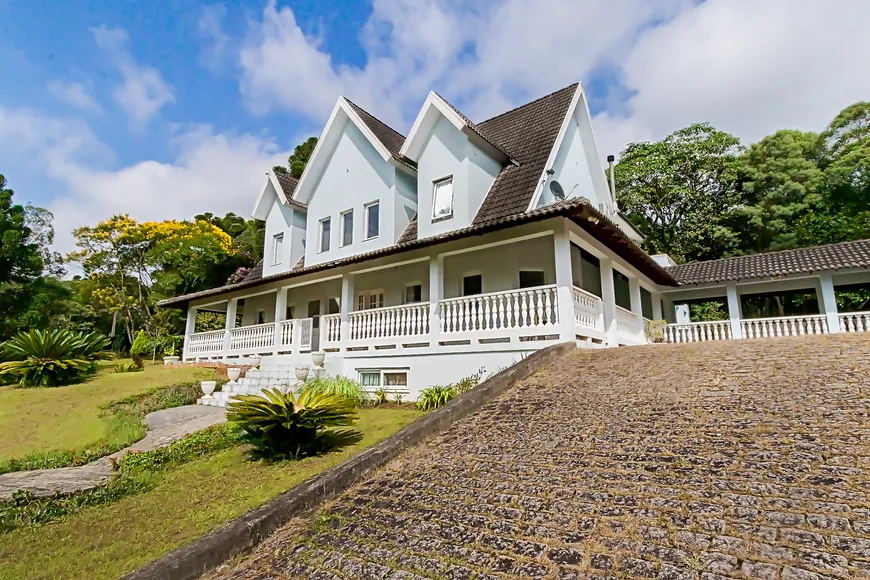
(734, 310)
(827, 298)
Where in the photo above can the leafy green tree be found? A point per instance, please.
(249, 236)
(846, 158)
(298, 159)
(781, 182)
(679, 189)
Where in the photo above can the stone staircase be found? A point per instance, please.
(255, 381)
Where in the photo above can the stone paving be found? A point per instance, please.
(744, 460)
(164, 427)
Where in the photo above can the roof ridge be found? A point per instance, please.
(372, 116)
(771, 253)
(573, 85)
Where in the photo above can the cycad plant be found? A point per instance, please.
(49, 358)
(288, 426)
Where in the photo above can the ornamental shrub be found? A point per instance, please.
(49, 358)
(141, 346)
(340, 385)
(288, 426)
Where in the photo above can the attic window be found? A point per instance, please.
(277, 248)
(325, 232)
(373, 221)
(442, 199)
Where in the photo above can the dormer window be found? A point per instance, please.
(325, 232)
(277, 248)
(442, 199)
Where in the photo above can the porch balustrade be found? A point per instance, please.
(388, 322)
(854, 322)
(513, 309)
(331, 329)
(628, 323)
(206, 343)
(784, 326)
(252, 339)
(588, 310)
(698, 331)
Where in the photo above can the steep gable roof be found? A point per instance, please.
(529, 132)
(288, 185)
(390, 138)
(477, 130)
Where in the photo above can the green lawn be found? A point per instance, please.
(50, 419)
(109, 541)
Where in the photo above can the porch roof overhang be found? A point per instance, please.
(579, 210)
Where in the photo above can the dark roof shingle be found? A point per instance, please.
(529, 132)
(288, 184)
(476, 128)
(391, 139)
(773, 264)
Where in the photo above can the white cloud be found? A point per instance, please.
(211, 172)
(210, 24)
(143, 91)
(748, 66)
(76, 94)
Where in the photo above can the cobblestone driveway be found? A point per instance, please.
(741, 460)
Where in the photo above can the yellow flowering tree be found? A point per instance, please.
(134, 264)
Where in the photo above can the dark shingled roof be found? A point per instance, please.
(410, 232)
(480, 132)
(529, 132)
(578, 209)
(773, 264)
(391, 138)
(288, 183)
(255, 274)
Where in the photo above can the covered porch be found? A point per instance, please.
(520, 289)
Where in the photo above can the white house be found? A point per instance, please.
(418, 260)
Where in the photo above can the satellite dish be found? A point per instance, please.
(556, 190)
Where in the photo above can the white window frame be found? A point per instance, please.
(371, 372)
(277, 248)
(411, 285)
(344, 225)
(366, 208)
(320, 247)
(541, 270)
(382, 383)
(468, 275)
(365, 294)
(435, 184)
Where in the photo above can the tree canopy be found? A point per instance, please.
(298, 159)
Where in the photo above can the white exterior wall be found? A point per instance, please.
(355, 174)
(254, 304)
(499, 266)
(394, 281)
(405, 206)
(300, 296)
(575, 166)
(291, 223)
(447, 151)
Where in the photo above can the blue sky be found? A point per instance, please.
(166, 109)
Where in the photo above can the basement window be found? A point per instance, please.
(370, 378)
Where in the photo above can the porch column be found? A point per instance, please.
(347, 292)
(669, 315)
(657, 306)
(608, 296)
(734, 310)
(232, 306)
(634, 292)
(280, 316)
(564, 285)
(827, 298)
(189, 329)
(436, 294)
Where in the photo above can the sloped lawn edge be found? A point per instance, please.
(241, 535)
(124, 417)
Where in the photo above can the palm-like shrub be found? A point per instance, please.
(435, 396)
(49, 358)
(286, 426)
(340, 385)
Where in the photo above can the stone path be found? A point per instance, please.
(164, 427)
(744, 460)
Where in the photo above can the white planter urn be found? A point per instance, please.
(317, 358)
(255, 362)
(233, 374)
(301, 373)
(208, 388)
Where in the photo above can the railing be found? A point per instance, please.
(588, 309)
(285, 332)
(784, 326)
(855, 322)
(526, 308)
(628, 323)
(407, 320)
(698, 331)
(331, 328)
(205, 343)
(252, 338)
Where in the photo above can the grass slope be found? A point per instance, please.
(109, 541)
(49, 419)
